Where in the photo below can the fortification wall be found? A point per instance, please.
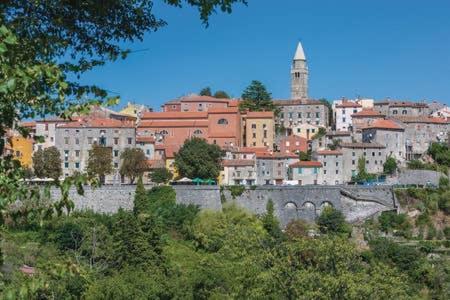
(290, 202)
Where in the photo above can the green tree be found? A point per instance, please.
(100, 162)
(270, 221)
(390, 165)
(221, 94)
(197, 158)
(332, 220)
(206, 91)
(134, 163)
(304, 156)
(161, 175)
(47, 163)
(256, 98)
(140, 197)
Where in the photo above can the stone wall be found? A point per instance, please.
(290, 202)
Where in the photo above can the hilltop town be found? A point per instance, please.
(301, 141)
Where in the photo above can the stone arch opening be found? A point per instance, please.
(290, 206)
(309, 205)
(326, 204)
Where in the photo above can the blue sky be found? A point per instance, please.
(384, 48)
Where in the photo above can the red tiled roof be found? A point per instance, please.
(238, 162)
(259, 114)
(173, 123)
(198, 98)
(384, 124)
(145, 139)
(338, 133)
(224, 110)
(306, 164)
(233, 103)
(407, 104)
(273, 155)
(367, 113)
(156, 163)
(329, 152)
(30, 124)
(174, 115)
(422, 119)
(362, 145)
(346, 103)
(250, 150)
(97, 123)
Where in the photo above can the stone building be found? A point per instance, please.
(402, 108)
(293, 144)
(306, 172)
(273, 168)
(258, 129)
(305, 111)
(299, 75)
(74, 140)
(421, 131)
(374, 155)
(239, 172)
(147, 145)
(47, 130)
(332, 166)
(343, 111)
(388, 133)
(364, 118)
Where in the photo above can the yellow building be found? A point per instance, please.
(134, 109)
(22, 150)
(306, 131)
(259, 129)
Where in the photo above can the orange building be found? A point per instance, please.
(196, 103)
(21, 148)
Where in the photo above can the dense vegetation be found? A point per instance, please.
(167, 250)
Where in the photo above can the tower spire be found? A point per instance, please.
(299, 53)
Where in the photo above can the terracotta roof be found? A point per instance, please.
(297, 102)
(384, 124)
(362, 145)
(224, 110)
(346, 103)
(175, 115)
(367, 113)
(275, 155)
(97, 123)
(233, 103)
(407, 104)
(145, 139)
(173, 123)
(249, 150)
(338, 133)
(329, 152)
(156, 163)
(198, 98)
(422, 119)
(31, 124)
(306, 164)
(238, 162)
(294, 138)
(259, 114)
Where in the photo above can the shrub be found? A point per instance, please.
(296, 229)
(332, 220)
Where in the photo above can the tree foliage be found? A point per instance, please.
(161, 175)
(47, 163)
(256, 98)
(221, 94)
(206, 91)
(134, 163)
(332, 220)
(100, 161)
(198, 159)
(390, 165)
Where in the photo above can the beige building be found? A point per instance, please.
(258, 129)
(306, 131)
(306, 172)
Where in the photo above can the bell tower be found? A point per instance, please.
(299, 75)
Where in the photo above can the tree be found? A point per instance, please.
(134, 163)
(221, 94)
(161, 175)
(296, 229)
(304, 156)
(47, 163)
(100, 162)
(140, 197)
(197, 158)
(390, 165)
(332, 220)
(270, 222)
(206, 91)
(256, 98)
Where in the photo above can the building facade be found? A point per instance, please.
(297, 112)
(299, 75)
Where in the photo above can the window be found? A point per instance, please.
(299, 170)
(379, 153)
(130, 141)
(77, 153)
(66, 165)
(325, 164)
(90, 140)
(148, 152)
(116, 153)
(337, 164)
(373, 153)
(250, 173)
(253, 126)
(317, 115)
(313, 130)
(265, 133)
(376, 162)
(46, 127)
(222, 122)
(116, 141)
(77, 165)
(299, 114)
(308, 115)
(315, 171)
(51, 139)
(337, 171)
(394, 112)
(298, 130)
(325, 172)
(254, 135)
(198, 132)
(238, 173)
(164, 132)
(264, 125)
(353, 153)
(353, 162)
(66, 140)
(404, 112)
(102, 141)
(290, 115)
(77, 141)
(116, 165)
(343, 120)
